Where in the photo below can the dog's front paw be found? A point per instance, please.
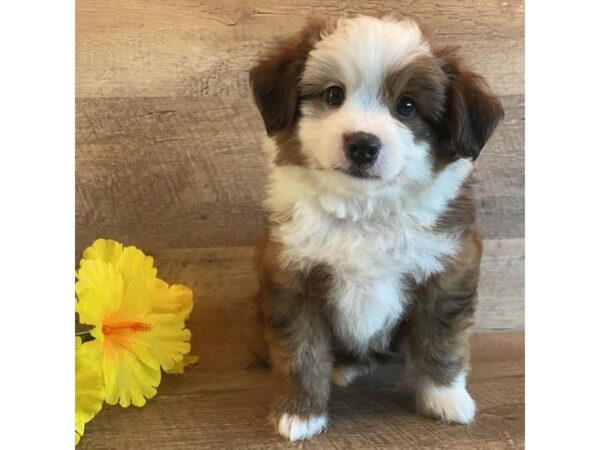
(449, 403)
(298, 428)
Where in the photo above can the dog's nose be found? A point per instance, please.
(361, 147)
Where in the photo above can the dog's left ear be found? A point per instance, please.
(471, 110)
(274, 79)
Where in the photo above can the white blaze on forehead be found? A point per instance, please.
(362, 51)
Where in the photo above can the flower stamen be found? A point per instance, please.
(132, 326)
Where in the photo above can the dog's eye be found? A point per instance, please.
(406, 108)
(334, 95)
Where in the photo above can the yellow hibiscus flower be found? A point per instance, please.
(114, 295)
(89, 387)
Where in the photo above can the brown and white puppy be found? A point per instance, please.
(370, 239)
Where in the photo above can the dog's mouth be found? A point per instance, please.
(364, 172)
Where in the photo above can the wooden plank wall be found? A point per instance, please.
(168, 139)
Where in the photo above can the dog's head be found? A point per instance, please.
(371, 99)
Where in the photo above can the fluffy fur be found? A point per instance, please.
(357, 259)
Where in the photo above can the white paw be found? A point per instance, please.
(295, 428)
(449, 403)
(344, 375)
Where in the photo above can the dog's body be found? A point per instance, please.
(370, 239)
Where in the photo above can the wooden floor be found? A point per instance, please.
(223, 401)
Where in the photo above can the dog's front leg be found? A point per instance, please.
(301, 360)
(439, 364)
(439, 338)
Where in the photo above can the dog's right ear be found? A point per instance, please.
(472, 111)
(275, 78)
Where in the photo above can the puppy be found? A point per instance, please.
(370, 239)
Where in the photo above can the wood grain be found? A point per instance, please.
(168, 140)
(180, 172)
(223, 401)
(225, 278)
(204, 48)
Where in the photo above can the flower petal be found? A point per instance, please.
(188, 360)
(170, 338)
(165, 343)
(176, 299)
(136, 301)
(127, 379)
(89, 385)
(136, 264)
(105, 250)
(79, 429)
(130, 262)
(99, 291)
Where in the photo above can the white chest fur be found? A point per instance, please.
(370, 262)
(372, 247)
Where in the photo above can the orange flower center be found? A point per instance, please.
(131, 326)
